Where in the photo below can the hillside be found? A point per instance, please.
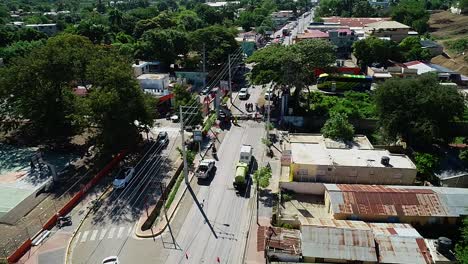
(446, 27)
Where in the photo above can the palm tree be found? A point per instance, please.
(115, 17)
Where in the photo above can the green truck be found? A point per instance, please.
(243, 167)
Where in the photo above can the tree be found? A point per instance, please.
(461, 249)
(115, 18)
(411, 49)
(116, 103)
(262, 176)
(363, 9)
(94, 32)
(162, 21)
(425, 163)
(19, 49)
(164, 45)
(412, 13)
(374, 50)
(417, 110)
(208, 14)
(38, 85)
(337, 127)
(30, 34)
(218, 41)
(188, 20)
(183, 97)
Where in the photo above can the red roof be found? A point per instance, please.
(411, 63)
(313, 34)
(354, 21)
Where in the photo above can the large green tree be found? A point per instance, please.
(38, 85)
(337, 127)
(412, 13)
(218, 41)
(164, 45)
(411, 49)
(374, 50)
(418, 110)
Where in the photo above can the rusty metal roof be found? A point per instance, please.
(286, 240)
(338, 243)
(396, 249)
(397, 200)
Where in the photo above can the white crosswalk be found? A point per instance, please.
(105, 233)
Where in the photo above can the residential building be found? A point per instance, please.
(281, 17)
(381, 74)
(422, 205)
(379, 3)
(354, 23)
(314, 158)
(343, 39)
(280, 244)
(155, 84)
(341, 241)
(443, 73)
(49, 29)
(392, 30)
(433, 47)
(144, 67)
(221, 3)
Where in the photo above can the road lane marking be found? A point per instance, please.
(111, 233)
(77, 238)
(103, 233)
(121, 229)
(93, 235)
(129, 230)
(84, 237)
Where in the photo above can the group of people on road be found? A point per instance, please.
(249, 107)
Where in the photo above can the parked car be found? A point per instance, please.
(244, 93)
(175, 118)
(111, 260)
(163, 138)
(124, 176)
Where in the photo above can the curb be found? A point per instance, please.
(67, 252)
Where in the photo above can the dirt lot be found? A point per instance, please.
(445, 26)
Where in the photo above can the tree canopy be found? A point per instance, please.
(418, 110)
(337, 127)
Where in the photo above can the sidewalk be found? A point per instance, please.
(54, 249)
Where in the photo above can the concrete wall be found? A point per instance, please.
(413, 220)
(352, 174)
(460, 182)
(304, 187)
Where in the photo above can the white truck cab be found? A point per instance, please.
(246, 154)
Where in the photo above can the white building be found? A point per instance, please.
(155, 84)
(49, 29)
(144, 67)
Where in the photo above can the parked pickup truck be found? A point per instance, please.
(206, 167)
(243, 167)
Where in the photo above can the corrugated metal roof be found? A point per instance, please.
(286, 240)
(398, 200)
(396, 249)
(338, 243)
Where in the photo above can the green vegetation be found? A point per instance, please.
(209, 122)
(338, 127)
(38, 88)
(426, 163)
(463, 155)
(458, 45)
(417, 110)
(412, 13)
(348, 8)
(353, 104)
(461, 249)
(262, 176)
(174, 190)
(183, 97)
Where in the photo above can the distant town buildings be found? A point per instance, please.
(221, 3)
(282, 17)
(379, 3)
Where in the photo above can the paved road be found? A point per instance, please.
(106, 230)
(302, 23)
(228, 212)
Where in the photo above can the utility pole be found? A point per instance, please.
(204, 66)
(187, 181)
(230, 88)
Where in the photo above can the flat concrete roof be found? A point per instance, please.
(152, 76)
(318, 154)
